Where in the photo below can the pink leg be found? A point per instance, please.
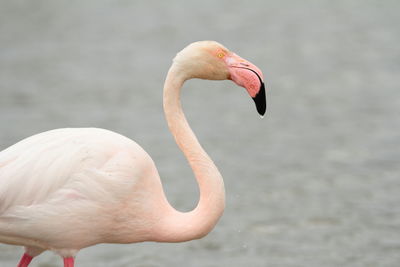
(69, 262)
(25, 260)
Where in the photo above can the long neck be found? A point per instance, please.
(178, 226)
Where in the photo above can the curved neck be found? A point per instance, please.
(183, 226)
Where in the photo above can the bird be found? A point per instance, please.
(67, 189)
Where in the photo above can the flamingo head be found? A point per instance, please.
(212, 61)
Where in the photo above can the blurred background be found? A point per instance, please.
(315, 183)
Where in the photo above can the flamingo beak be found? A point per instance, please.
(249, 76)
(261, 100)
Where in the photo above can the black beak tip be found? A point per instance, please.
(261, 101)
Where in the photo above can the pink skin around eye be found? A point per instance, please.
(244, 74)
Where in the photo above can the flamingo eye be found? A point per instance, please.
(220, 54)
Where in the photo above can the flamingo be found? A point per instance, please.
(67, 189)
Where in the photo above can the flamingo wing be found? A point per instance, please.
(36, 167)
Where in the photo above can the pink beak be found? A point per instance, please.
(249, 76)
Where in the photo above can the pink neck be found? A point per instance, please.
(177, 226)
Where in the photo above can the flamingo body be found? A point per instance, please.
(79, 177)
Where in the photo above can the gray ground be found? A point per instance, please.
(316, 183)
